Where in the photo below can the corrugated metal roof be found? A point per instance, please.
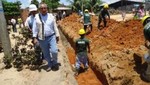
(63, 8)
(137, 0)
(114, 1)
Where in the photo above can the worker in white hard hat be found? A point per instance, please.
(102, 15)
(30, 19)
(29, 24)
(146, 24)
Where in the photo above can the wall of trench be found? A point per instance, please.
(98, 72)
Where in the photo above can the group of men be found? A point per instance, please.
(101, 17)
(45, 33)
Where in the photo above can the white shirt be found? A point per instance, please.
(50, 26)
(29, 22)
(13, 21)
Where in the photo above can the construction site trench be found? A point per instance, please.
(117, 51)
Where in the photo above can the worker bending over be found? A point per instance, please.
(102, 15)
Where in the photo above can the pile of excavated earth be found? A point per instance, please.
(116, 50)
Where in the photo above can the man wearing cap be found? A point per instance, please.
(87, 20)
(102, 15)
(29, 21)
(29, 24)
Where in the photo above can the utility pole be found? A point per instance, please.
(4, 36)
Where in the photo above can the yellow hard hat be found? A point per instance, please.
(86, 10)
(81, 31)
(106, 6)
(144, 18)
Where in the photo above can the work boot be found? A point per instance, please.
(146, 74)
(55, 67)
(48, 69)
(76, 72)
(146, 77)
(8, 66)
(86, 68)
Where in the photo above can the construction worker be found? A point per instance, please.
(29, 21)
(29, 24)
(87, 20)
(81, 46)
(139, 13)
(102, 15)
(146, 24)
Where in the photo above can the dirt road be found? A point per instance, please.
(118, 17)
(64, 76)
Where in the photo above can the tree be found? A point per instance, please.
(52, 4)
(11, 9)
(92, 5)
(35, 2)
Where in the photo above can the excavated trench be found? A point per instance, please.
(113, 49)
(98, 78)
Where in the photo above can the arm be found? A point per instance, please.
(89, 49)
(27, 24)
(56, 30)
(88, 46)
(34, 31)
(108, 14)
(75, 47)
(147, 44)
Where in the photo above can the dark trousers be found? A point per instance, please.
(38, 54)
(100, 20)
(85, 26)
(14, 28)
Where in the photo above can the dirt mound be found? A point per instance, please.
(116, 50)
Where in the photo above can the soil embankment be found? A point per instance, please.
(116, 50)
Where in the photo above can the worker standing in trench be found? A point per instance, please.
(146, 24)
(87, 21)
(102, 15)
(81, 46)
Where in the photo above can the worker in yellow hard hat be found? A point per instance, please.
(106, 6)
(81, 46)
(102, 15)
(87, 20)
(146, 24)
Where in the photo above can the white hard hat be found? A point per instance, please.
(32, 7)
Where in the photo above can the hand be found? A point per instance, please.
(34, 41)
(30, 30)
(57, 39)
(88, 51)
(147, 44)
